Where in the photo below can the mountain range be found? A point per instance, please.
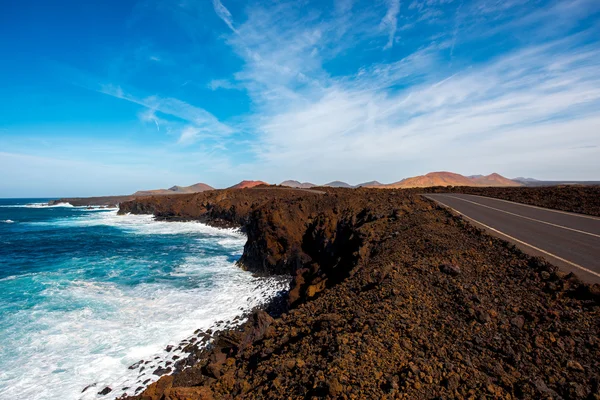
(442, 178)
(297, 184)
(431, 179)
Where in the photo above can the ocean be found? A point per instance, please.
(85, 294)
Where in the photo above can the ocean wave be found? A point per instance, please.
(46, 205)
(148, 225)
(69, 348)
(95, 208)
(100, 313)
(8, 221)
(38, 205)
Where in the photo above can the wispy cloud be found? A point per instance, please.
(412, 115)
(323, 97)
(390, 22)
(523, 102)
(149, 115)
(223, 13)
(216, 84)
(201, 123)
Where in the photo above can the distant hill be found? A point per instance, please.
(495, 180)
(525, 180)
(297, 184)
(433, 179)
(445, 178)
(338, 184)
(536, 182)
(370, 184)
(247, 184)
(197, 188)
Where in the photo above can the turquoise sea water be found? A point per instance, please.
(84, 294)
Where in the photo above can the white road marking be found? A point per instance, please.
(522, 242)
(539, 208)
(524, 217)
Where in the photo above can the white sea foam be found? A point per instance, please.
(46, 205)
(147, 225)
(8, 221)
(38, 205)
(66, 349)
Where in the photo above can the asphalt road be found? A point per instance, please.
(569, 241)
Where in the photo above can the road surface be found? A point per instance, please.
(567, 240)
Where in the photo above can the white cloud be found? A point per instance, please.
(189, 134)
(197, 118)
(216, 84)
(390, 22)
(223, 13)
(396, 119)
(457, 123)
(534, 107)
(149, 115)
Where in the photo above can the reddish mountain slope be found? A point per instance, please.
(247, 184)
(451, 179)
(433, 179)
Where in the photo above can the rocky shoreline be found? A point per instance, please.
(392, 297)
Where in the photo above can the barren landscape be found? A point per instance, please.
(392, 297)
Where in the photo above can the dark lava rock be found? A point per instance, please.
(483, 316)
(105, 391)
(518, 321)
(374, 315)
(450, 269)
(161, 371)
(136, 365)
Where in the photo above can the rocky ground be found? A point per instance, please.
(392, 297)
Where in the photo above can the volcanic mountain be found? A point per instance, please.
(452, 179)
(197, 188)
(297, 184)
(495, 180)
(338, 184)
(247, 184)
(370, 184)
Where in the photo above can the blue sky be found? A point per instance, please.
(109, 97)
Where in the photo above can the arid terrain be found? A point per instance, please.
(392, 297)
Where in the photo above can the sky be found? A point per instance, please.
(110, 97)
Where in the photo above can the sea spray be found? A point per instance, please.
(86, 294)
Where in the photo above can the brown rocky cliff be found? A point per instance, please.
(317, 238)
(431, 307)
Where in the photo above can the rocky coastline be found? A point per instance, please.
(391, 297)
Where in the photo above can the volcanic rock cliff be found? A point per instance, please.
(317, 237)
(392, 297)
